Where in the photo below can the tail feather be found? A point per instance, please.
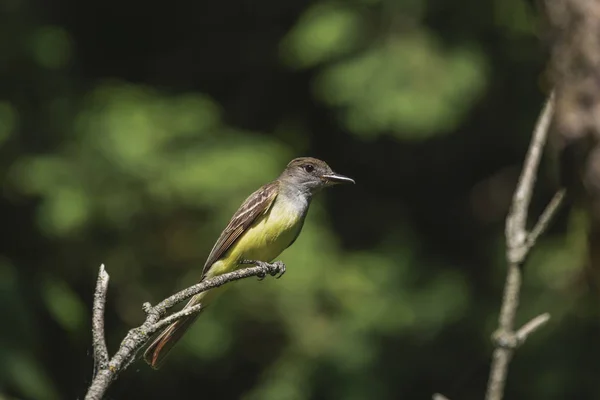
(158, 350)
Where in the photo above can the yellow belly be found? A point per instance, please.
(264, 240)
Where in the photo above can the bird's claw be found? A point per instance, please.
(276, 269)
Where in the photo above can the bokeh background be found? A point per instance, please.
(130, 132)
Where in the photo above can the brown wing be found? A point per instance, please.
(255, 205)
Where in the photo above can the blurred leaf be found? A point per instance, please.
(326, 31)
(8, 120)
(27, 375)
(64, 305)
(514, 15)
(65, 211)
(211, 339)
(51, 47)
(409, 86)
(286, 380)
(134, 144)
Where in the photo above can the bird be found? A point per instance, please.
(268, 222)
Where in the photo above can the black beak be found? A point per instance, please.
(335, 178)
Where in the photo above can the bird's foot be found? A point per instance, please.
(276, 269)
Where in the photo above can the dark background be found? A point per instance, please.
(131, 131)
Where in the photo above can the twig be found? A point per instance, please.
(519, 243)
(136, 338)
(531, 327)
(98, 340)
(176, 316)
(545, 218)
(516, 230)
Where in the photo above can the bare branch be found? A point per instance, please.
(530, 327)
(176, 316)
(98, 340)
(516, 221)
(156, 312)
(136, 338)
(518, 244)
(545, 218)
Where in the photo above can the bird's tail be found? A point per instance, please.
(156, 353)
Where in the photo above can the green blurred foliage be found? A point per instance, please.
(400, 80)
(50, 47)
(8, 121)
(325, 31)
(406, 86)
(515, 17)
(124, 146)
(18, 364)
(128, 145)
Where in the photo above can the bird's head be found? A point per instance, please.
(312, 174)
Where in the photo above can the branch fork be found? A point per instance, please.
(107, 369)
(519, 242)
(512, 340)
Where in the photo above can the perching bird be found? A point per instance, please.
(267, 222)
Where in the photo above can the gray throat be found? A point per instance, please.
(297, 195)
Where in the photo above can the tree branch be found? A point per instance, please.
(177, 316)
(98, 340)
(518, 245)
(545, 218)
(530, 327)
(136, 338)
(516, 229)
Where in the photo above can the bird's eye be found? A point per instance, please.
(308, 168)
